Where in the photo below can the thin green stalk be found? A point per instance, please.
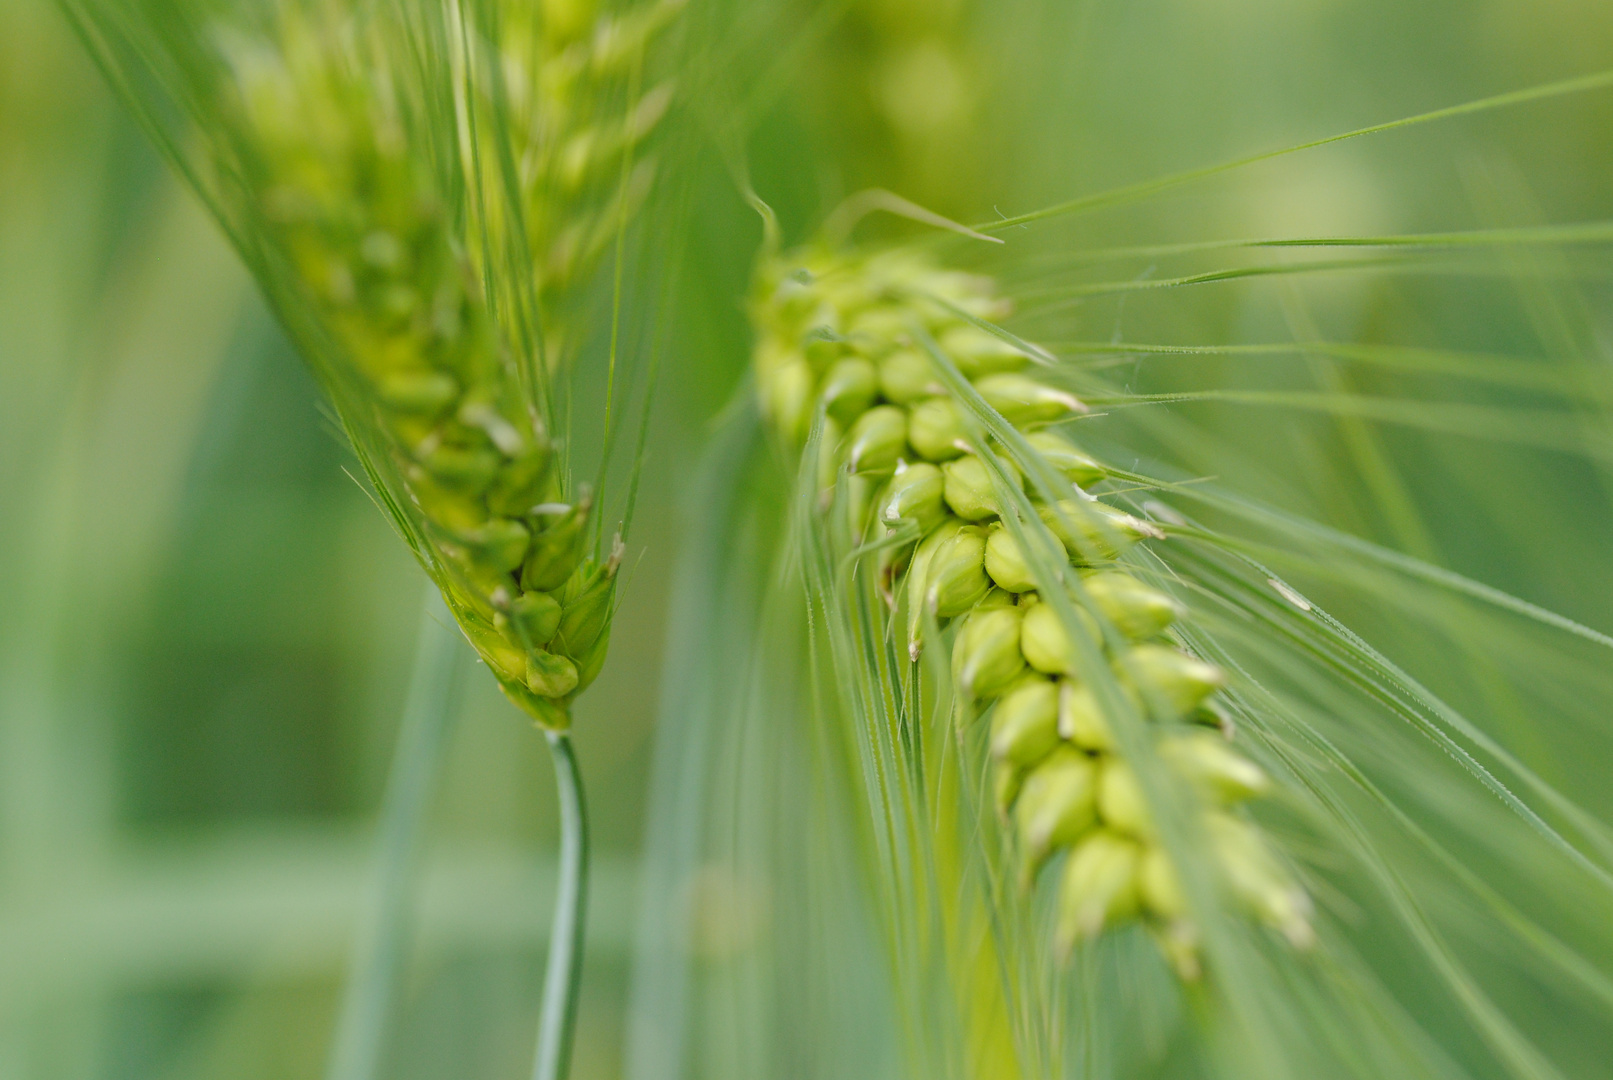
(563, 976)
(371, 994)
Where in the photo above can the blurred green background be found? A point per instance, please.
(206, 627)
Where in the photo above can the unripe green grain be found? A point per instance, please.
(906, 376)
(1158, 886)
(968, 489)
(586, 612)
(419, 393)
(957, 574)
(1062, 454)
(915, 495)
(1258, 879)
(877, 440)
(1056, 804)
(1136, 610)
(986, 656)
(462, 468)
(919, 581)
(531, 621)
(1120, 799)
(558, 546)
(347, 187)
(1221, 774)
(789, 399)
(499, 545)
(1024, 401)
(507, 661)
(1005, 562)
(936, 430)
(1005, 784)
(978, 353)
(1081, 720)
(1047, 644)
(525, 482)
(1099, 886)
(1025, 724)
(549, 675)
(1170, 682)
(1094, 532)
(850, 388)
(449, 513)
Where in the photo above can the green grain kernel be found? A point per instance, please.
(1025, 724)
(1005, 562)
(978, 353)
(1099, 887)
(957, 574)
(586, 615)
(914, 495)
(460, 468)
(918, 581)
(1070, 463)
(1170, 682)
(1218, 771)
(968, 489)
(877, 440)
(1136, 610)
(1258, 879)
(986, 656)
(558, 546)
(850, 388)
(1006, 781)
(1094, 532)
(1056, 804)
(1081, 720)
(936, 429)
(533, 618)
(1021, 400)
(549, 675)
(1158, 886)
(788, 400)
(506, 661)
(524, 482)
(498, 546)
(1120, 798)
(1047, 644)
(907, 376)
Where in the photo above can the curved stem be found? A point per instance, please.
(370, 997)
(563, 975)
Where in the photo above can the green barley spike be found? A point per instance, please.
(427, 274)
(422, 191)
(823, 320)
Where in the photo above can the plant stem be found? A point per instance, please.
(371, 994)
(563, 976)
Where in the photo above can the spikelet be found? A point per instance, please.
(855, 341)
(427, 285)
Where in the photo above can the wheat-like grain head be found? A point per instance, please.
(420, 191)
(867, 358)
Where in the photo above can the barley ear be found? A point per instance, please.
(1080, 680)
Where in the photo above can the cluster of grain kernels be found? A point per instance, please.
(567, 69)
(847, 335)
(412, 352)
